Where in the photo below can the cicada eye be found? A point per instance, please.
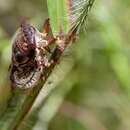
(20, 58)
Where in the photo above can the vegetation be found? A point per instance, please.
(89, 89)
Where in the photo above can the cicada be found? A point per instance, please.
(29, 55)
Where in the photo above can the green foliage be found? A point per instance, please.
(58, 14)
(97, 85)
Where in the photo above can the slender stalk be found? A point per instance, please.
(22, 102)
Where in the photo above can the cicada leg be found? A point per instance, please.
(62, 42)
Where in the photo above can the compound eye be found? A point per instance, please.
(21, 58)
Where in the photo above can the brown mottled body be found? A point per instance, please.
(29, 56)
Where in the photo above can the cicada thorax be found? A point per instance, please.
(26, 65)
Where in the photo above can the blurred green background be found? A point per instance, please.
(95, 95)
